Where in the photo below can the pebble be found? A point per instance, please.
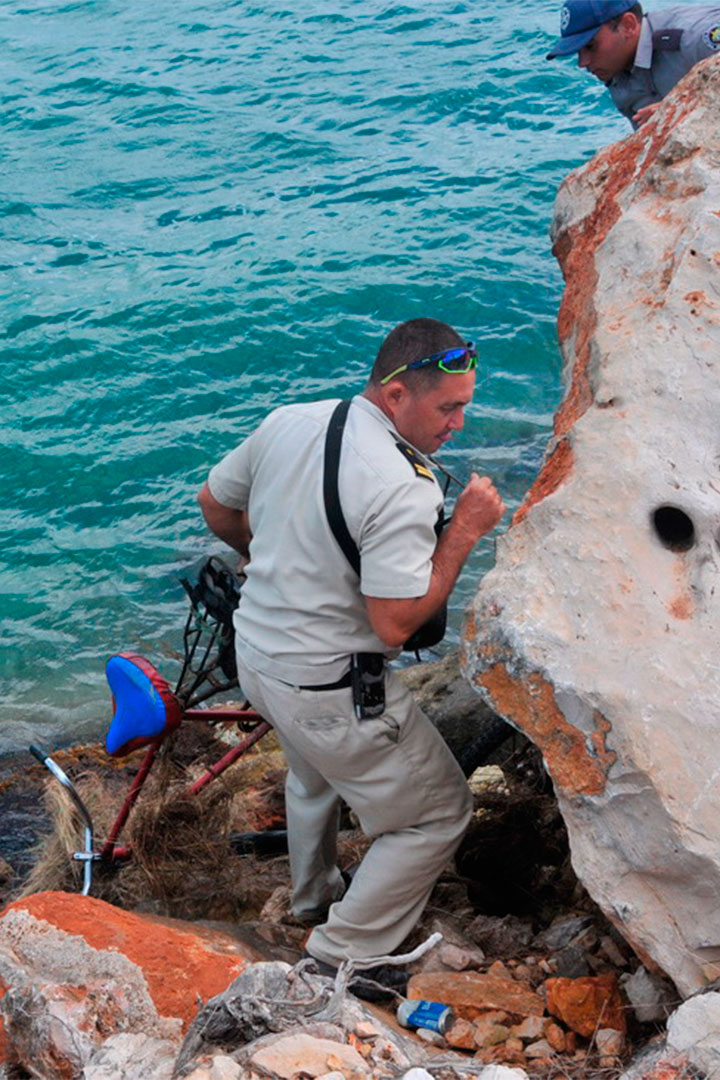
(610, 1042)
(530, 1029)
(539, 1049)
(365, 1030)
(556, 1037)
(428, 1036)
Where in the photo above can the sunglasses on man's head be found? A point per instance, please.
(456, 361)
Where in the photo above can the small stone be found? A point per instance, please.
(649, 995)
(610, 1042)
(364, 1029)
(499, 969)
(563, 932)
(530, 1029)
(497, 1016)
(587, 1003)
(571, 962)
(455, 958)
(432, 1037)
(539, 1049)
(611, 951)
(546, 966)
(523, 973)
(556, 1037)
(332, 1076)
(608, 1062)
(460, 1035)
(514, 1046)
(487, 1033)
(363, 1046)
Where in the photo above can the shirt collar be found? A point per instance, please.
(367, 406)
(644, 53)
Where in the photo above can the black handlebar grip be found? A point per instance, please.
(37, 753)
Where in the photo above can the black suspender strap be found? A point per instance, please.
(331, 493)
(432, 631)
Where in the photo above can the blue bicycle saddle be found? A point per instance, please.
(145, 708)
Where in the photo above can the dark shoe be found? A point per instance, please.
(382, 983)
(319, 915)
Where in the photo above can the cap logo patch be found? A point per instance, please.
(712, 37)
(564, 18)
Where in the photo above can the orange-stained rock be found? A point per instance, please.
(555, 1036)
(471, 994)
(587, 1003)
(180, 965)
(461, 1034)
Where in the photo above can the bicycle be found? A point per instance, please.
(147, 712)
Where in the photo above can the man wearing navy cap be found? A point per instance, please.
(638, 57)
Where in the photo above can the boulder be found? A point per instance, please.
(79, 973)
(596, 632)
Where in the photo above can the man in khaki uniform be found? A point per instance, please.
(305, 613)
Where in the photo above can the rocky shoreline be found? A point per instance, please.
(539, 982)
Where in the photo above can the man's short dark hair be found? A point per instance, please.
(414, 340)
(635, 10)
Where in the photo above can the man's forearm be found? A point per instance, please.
(228, 524)
(477, 511)
(396, 620)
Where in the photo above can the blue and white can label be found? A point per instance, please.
(425, 1014)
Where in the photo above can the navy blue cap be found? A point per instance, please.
(580, 21)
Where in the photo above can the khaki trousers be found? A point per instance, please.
(408, 792)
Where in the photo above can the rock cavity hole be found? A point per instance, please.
(674, 528)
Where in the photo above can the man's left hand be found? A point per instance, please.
(645, 113)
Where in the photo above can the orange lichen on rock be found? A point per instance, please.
(530, 705)
(553, 473)
(575, 251)
(179, 966)
(587, 1003)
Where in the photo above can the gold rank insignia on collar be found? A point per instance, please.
(415, 460)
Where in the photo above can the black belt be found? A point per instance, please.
(340, 684)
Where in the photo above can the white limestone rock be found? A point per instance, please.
(65, 998)
(597, 632)
(694, 1030)
(131, 1056)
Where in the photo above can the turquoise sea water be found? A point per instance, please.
(210, 208)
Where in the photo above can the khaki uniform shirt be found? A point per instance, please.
(301, 614)
(671, 42)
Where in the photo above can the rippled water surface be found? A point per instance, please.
(211, 208)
